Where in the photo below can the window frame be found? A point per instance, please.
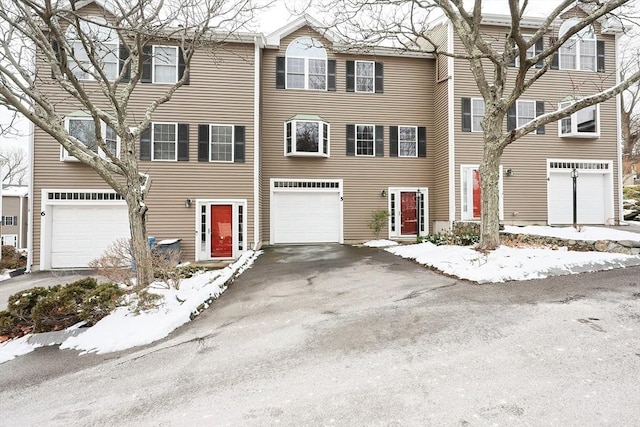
(306, 60)
(466, 193)
(66, 157)
(5, 222)
(577, 39)
(531, 52)
(373, 140)
(153, 141)
(574, 133)
(233, 138)
(400, 141)
(356, 76)
(153, 63)
(518, 102)
(323, 127)
(473, 100)
(99, 23)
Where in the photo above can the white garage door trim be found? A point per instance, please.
(68, 197)
(590, 170)
(308, 186)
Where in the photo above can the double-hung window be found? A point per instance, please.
(580, 51)
(306, 65)
(103, 47)
(365, 76)
(581, 124)
(165, 64)
(525, 112)
(164, 141)
(306, 136)
(9, 220)
(365, 140)
(221, 143)
(407, 141)
(84, 130)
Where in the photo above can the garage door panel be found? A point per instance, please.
(590, 198)
(80, 234)
(306, 217)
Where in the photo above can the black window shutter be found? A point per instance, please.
(555, 63)
(280, 76)
(379, 141)
(351, 76)
(331, 75)
(147, 64)
(203, 143)
(56, 49)
(393, 141)
(539, 48)
(379, 77)
(466, 114)
(540, 111)
(351, 140)
(422, 141)
(601, 56)
(238, 144)
(181, 66)
(145, 144)
(511, 117)
(183, 142)
(123, 51)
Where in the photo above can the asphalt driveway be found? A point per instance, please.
(355, 336)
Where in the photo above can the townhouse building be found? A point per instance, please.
(294, 138)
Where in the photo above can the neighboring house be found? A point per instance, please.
(15, 215)
(294, 138)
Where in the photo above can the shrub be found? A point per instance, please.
(115, 264)
(100, 301)
(449, 238)
(378, 220)
(21, 303)
(8, 323)
(631, 192)
(12, 259)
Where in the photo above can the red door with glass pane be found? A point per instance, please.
(476, 193)
(221, 231)
(408, 214)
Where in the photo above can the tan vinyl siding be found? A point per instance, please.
(407, 100)
(221, 91)
(525, 193)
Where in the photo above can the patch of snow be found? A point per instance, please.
(167, 241)
(14, 348)
(4, 277)
(507, 263)
(380, 243)
(585, 233)
(124, 329)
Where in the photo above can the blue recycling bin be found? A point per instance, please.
(152, 242)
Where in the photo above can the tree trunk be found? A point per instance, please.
(490, 191)
(139, 245)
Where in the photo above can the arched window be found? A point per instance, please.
(579, 52)
(101, 43)
(306, 64)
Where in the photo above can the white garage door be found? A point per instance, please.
(312, 216)
(594, 203)
(80, 234)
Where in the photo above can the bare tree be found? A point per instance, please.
(630, 101)
(54, 46)
(369, 22)
(14, 166)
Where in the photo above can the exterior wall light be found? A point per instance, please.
(187, 203)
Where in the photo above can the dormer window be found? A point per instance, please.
(306, 65)
(306, 135)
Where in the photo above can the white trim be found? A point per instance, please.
(273, 39)
(574, 122)
(153, 64)
(451, 125)
(46, 213)
(355, 77)
(64, 154)
(471, 112)
(233, 140)
(416, 140)
(618, 184)
(332, 186)
(14, 238)
(396, 191)
(518, 102)
(234, 203)
(321, 135)
(577, 39)
(355, 138)
(30, 219)
(256, 147)
(153, 140)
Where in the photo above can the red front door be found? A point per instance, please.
(221, 231)
(408, 214)
(476, 193)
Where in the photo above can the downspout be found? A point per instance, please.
(30, 210)
(20, 228)
(451, 125)
(257, 243)
(619, 138)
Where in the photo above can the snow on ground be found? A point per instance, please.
(124, 329)
(14, 348)
(380, 243)
(507, 263)
(4, 277)
(585, 233)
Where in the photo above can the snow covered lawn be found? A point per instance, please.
(124, 329)
(507, 263)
